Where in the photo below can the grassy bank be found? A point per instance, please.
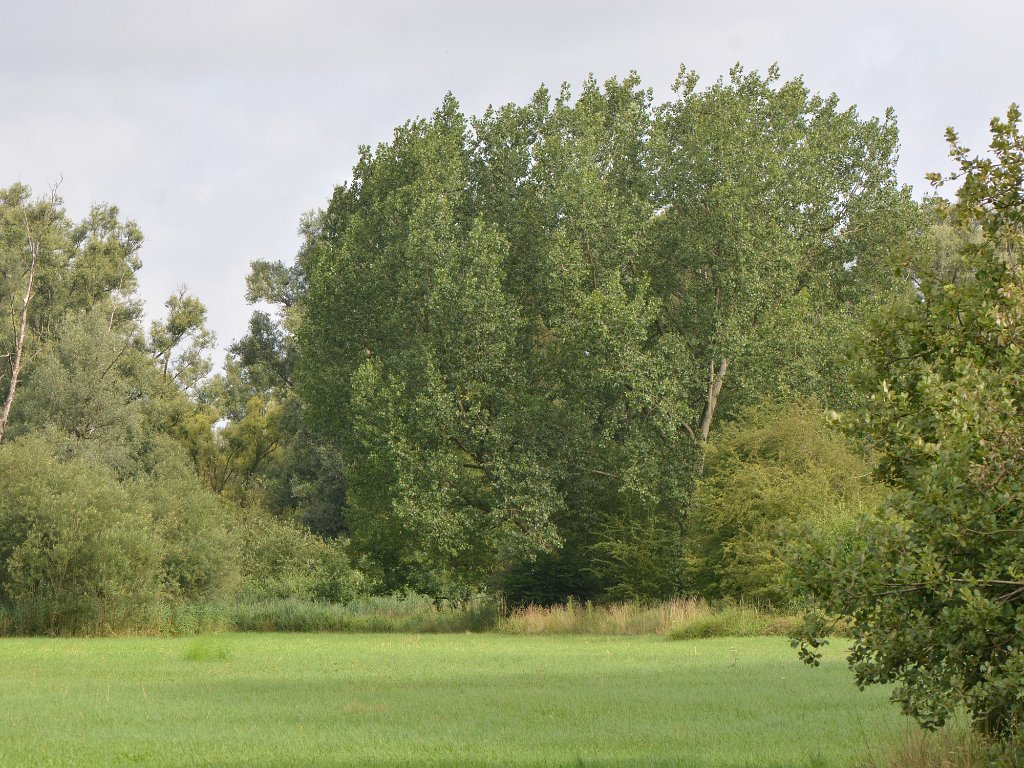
(431, 700)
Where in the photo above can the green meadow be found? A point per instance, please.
(432, 700)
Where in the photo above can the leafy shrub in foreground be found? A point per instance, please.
(935, 588)
(84, 551)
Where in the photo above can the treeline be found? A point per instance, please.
(580, 347)
(108, 515)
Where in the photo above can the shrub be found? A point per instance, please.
(935, 587)
(77, 551)
(201, 552)
(638, 559)
(775, 477)
(549, 579)
(281, 560)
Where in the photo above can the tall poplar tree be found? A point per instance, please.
(519, 330)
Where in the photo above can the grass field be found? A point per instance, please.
(431, 700)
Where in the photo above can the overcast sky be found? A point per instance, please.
(215, 125)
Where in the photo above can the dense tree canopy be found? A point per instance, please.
(577, 347)
(518, 330)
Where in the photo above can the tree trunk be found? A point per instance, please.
(19, 346)
(714, 388)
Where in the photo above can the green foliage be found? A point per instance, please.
(638, 559)
(201, 549)
(109, 528)
(504, 324)
(775, 479)
(935, 588)
(87, 392)
(282, 560)
(179, 342)
(488, 368)
(265, 455)
(49, 268)
(550, 579)
(82, 372)
(778, 211)
(77, 550)
(79, 265)
(82, 550)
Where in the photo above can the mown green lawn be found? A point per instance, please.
(392, 700)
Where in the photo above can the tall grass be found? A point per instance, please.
(682, 618)
(735, 621)
(412, 613)
(955, 746)
(576, 618)
(91, 618)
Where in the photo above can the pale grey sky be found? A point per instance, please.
(215, 125)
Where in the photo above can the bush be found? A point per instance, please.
(84, 552)
(281, 561)
(775, 477)
(934, 589)
(78, 553)
(638, 559)
(201, 552)
(549, 579)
